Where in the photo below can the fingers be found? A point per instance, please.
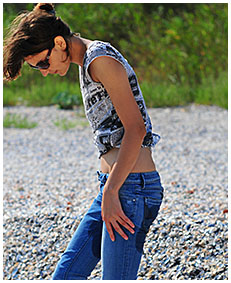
(125, 224)
(119, 230)
(110, 231)
(114, 217)
(127, 220)
(116, 226)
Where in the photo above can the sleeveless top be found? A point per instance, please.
(107, 128)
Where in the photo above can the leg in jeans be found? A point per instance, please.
(83, 251)
(140, 197)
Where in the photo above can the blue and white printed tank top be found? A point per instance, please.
(106, 125)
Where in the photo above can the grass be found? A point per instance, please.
(209, 92)
(213, 92)
(157, 94)
(17, 121)
(32, 89)
(165, 95)
(40, 94)
(65, 124)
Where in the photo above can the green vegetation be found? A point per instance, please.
(66, 100)
(17, 121)
(210, 92)
(65, 124)
(179, 51)
(31, 89)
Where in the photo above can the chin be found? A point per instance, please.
(63, 73)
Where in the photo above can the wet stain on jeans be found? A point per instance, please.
(151, 209)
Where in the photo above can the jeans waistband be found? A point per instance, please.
(134, 178)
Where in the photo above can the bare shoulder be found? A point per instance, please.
(114, 78)
(106, 68)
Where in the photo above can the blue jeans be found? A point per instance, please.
(141, 196)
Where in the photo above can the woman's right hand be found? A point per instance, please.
(113, 215)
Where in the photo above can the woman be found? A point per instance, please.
(130, 196)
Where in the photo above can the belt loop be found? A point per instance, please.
(143, 181)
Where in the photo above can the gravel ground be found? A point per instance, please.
(50, 180)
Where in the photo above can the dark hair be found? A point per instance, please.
(31, 33)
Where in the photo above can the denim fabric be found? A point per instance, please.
(141, 196)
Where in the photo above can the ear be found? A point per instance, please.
(60, 43)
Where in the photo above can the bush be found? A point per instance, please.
(66, 100)
(177, 45)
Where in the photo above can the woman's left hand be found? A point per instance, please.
(113, 215)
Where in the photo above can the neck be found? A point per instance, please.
(78, 48)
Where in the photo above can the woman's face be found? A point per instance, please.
(57, 60)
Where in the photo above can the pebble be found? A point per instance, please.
(50, 180)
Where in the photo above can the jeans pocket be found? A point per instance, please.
(151, 209)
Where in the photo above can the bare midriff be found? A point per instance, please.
(144, 161)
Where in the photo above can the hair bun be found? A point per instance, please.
(48, 7)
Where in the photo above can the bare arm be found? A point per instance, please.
(114, 78)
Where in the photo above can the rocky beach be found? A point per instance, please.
(50, 180)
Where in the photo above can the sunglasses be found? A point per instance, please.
(43, 64)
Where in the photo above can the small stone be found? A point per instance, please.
(188, 226)
(36, 235)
